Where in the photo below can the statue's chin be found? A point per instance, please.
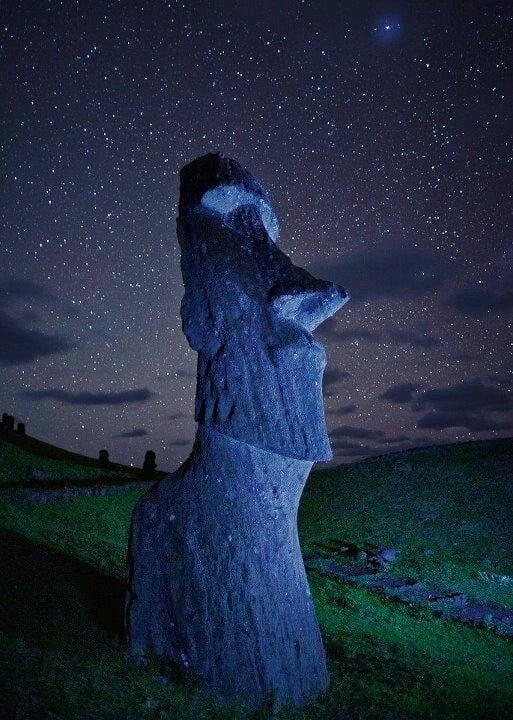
(321, 454)
(284, 447)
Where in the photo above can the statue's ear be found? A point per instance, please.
(201, 329)
(201, 326)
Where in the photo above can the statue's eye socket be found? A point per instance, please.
(225, 199)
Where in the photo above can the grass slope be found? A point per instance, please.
(63, 564)
(39, 447)
(447, 509)
(18, 465)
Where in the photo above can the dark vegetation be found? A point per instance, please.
(445, 511)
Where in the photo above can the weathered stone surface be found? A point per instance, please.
(382, 558)
(387, 555)
(216, 579)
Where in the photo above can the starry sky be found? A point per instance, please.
(383, 134)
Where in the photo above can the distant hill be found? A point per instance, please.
(25, 458)
(445, 508)
(38, 447)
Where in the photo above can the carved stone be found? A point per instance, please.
(216, 578)
(149, 464)
(7, 422)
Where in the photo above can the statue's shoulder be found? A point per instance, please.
(162, 492)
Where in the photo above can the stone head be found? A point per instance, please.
(249, 313)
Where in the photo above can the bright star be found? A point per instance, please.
(388, 29)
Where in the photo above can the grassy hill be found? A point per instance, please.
(31, 444)
(447, 512)
(447, 509)
(24, 459)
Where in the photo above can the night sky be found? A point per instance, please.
(383, 134)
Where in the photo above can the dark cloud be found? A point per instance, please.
(408, 338)
(355, 334)
(463, 357)
(331, 330)
(385, 271)
(21, 344)
(136, 432)
(344, 410)
(333, 376)
(360, 451)
(89, 398)
(355, 432)
(470, 396)
(176, 416)
(179, 443)
(176, 374)
(393, 440)
(339, 444)
(401, 393)
(466, 405)
(422, 440)
(30, 316)
(18, 292)
(25, 290)
(472, 422)
(474, 302)
(501, 380)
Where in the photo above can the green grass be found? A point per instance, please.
(93, 529)
(63, 564)
(453, 501)
(18, 465)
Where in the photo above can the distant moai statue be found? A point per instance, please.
(104, 459)
(7, 422)
(20, 428)
(149, 464)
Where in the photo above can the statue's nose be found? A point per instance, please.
(302, 298)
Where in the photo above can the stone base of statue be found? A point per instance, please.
(217, 581)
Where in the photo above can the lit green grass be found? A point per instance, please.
(453, 501)
(63, 564)
(93, 529)
(17, 465)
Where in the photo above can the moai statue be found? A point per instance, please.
(217, 582)
(149, 464)
(8, 422)
(20, 428)
(3, 424)
(103, 459)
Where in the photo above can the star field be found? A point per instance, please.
(383, 134)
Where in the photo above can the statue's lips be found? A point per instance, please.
(304, 349)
